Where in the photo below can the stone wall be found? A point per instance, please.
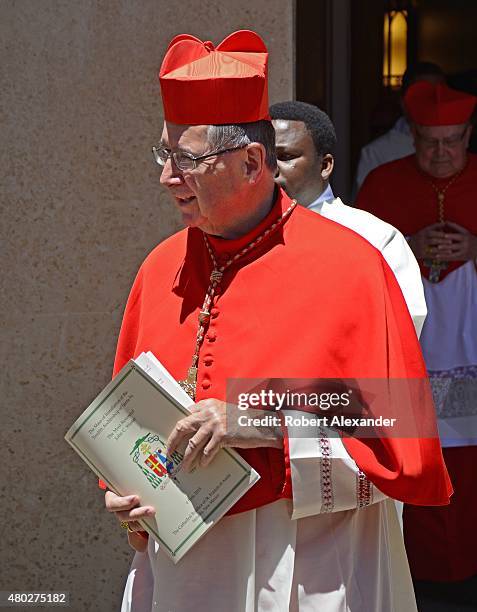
(81, 207)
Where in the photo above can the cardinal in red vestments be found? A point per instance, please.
(257, 287)
(431, 198)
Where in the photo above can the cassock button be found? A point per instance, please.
(211, 335)
(214, 313)
(205, 384)
(208, 361)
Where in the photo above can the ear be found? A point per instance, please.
(327, 165)
(254, 161)
(468, 134)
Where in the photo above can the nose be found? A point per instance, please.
(440, 148)
(170, 174)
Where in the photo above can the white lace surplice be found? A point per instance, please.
(449, 346)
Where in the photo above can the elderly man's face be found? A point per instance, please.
(211, 195)
(441, 150)
(299, 169)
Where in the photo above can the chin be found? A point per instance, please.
(194, 221)
(443, 172)
(189, 220)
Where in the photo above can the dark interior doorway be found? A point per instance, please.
(439, 31)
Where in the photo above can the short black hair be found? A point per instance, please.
(316, 121)
(417, 70)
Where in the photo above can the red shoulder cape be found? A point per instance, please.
(313, 300)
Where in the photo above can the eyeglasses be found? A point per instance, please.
(183, 160)
(447, 143)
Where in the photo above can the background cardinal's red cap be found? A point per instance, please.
(436, 104)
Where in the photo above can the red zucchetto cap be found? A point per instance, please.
(436, 104)
(204, 85)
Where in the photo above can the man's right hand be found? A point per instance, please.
(429, 242)
(127, 509)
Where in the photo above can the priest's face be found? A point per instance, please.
(300, 169)
(211, 196)
(441, 150)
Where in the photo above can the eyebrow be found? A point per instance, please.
(165, 144)
(286, 148)
(454, 135)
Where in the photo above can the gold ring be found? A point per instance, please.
(125, 525)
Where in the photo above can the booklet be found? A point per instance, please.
(122, 437)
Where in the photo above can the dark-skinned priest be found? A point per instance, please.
(256, 287)
(305, 139)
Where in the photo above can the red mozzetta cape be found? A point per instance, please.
(313, 300)
(399, 193)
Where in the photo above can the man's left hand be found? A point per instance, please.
(463, 245)
(212, 425)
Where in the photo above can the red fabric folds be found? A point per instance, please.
(441, 542)
(313, 300)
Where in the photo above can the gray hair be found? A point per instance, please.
(241, 134)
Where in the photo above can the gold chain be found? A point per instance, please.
(436, 266)
(441, 195)
(190, 383)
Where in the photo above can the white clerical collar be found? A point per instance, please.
(325, 196)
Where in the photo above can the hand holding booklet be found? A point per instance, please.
(122, 437)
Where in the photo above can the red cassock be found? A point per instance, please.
(312, 300)
(401, 194)
(441, 542)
